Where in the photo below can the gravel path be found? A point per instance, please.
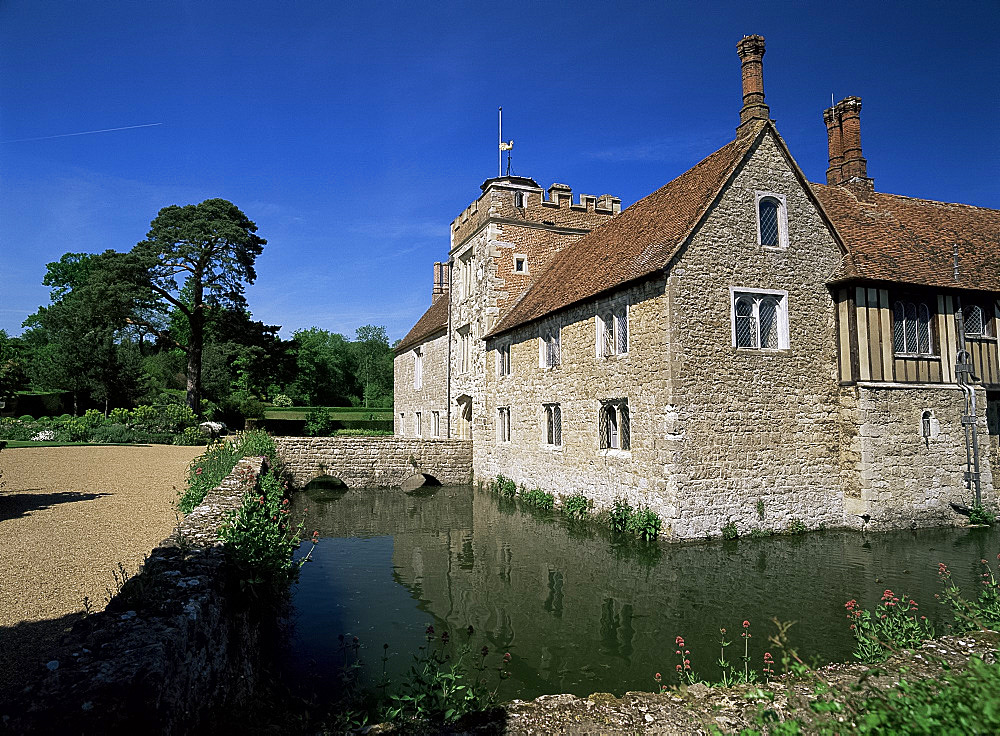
(68, 517)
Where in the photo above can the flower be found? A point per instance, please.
(198, 471)
(657, 677)
(678, 668)
(430, 630)
(486, 651)
(506, 657)
(679, 641)
(746, 624)
(444, 637)
(470, 631)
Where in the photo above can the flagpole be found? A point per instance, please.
(499, 141)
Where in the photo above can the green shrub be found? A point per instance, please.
(984, 612)
(190, 436)
(16, 429)
(539, 499)
(576, 506)
(619, 516)
(319, 423)
(979, 514)
(93, 418)
(796, 526)
(76, 429)
(207, 471)
(259, 536)
(503, 486)
(729, 531)
(756, 533)
(118, 415)
(26, 418)
(645, 524)
(259, 443)
(893, 625)
(114, 434)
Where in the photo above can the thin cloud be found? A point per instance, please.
(84, 132)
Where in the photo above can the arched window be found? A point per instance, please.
(975, 323)
(746, 323)
(911, 328)
(768, 212)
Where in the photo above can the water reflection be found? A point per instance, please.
(579, 611)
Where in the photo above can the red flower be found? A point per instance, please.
(657, 677)
(679, 641)
(746, 624)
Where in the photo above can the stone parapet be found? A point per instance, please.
(375, 462)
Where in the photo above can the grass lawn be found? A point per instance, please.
(346, 413)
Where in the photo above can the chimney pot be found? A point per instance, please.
(440, 281)
(751, 52)
(843, 126)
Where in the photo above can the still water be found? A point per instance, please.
(578, 611)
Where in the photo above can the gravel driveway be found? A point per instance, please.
(68, 517)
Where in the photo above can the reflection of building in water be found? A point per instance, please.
(555, 599)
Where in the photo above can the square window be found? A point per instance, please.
(549, 352)
(503, 424)
(759, 319)
(520, 264)
(503, 360)
(615, 425)
(612, 332)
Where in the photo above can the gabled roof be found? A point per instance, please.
(912, 241)
(435, 320)
(637, 243)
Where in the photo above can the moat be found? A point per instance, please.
(578, 610)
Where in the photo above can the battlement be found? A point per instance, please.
(521, 198)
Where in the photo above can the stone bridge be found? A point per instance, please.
(376, 462)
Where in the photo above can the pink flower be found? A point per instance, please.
(657, 677)
(746, 624)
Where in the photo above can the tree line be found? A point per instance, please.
(168, 321)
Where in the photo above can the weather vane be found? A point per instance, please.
(507, 146)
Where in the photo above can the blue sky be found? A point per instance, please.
(353, 134)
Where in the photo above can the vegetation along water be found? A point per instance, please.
(578, 609)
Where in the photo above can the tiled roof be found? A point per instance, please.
(435, 319)
(907, 240)
(637, 243)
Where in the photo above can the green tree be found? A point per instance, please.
(196, 259)
(12, 364)
(374, 364)
(82, 342)
(325, 367)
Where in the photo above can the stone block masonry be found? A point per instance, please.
(175, 651)
(375, 462)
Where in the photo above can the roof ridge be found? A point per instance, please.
(877, 193)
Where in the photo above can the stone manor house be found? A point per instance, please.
(739, 346)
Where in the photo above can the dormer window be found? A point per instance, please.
(772, 220)
(519, 199)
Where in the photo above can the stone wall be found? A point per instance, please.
(432, 396)
(715, 429)
(176, 649)
(903, 477)
(485, 240)
(375, 462)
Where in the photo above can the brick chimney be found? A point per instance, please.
(843, 129)
(751, 51)
(440, 281)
